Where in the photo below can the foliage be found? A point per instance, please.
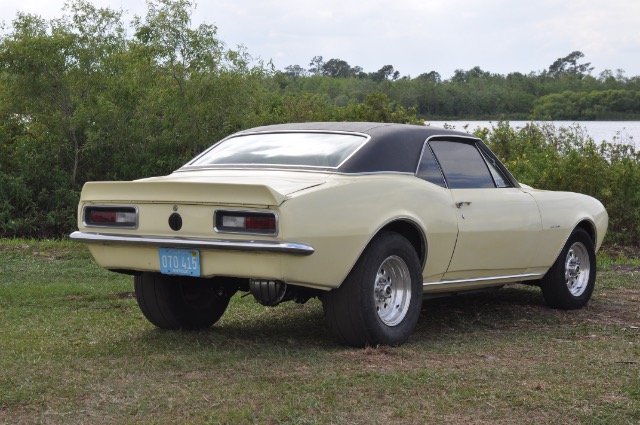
(595, 105)
(377, 108)
(88, 96)
(565, 91)
(567, 159)
(81, 99)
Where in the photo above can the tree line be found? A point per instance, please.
(88, 96)
(564, 91)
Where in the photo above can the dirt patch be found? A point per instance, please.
(23, 247)
(630, 252)
(625, 268)
(618, 307)
(378, 358)
(47, 256)
(80, 297)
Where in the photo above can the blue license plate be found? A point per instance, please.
(179, 261)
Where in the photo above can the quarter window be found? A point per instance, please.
(462, 164)
(428, 168)
(497, 175)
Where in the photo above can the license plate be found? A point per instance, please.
(179, 261)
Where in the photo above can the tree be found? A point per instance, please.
(57, 86)
(569, 65)
(431, 76)
(81, 100)
(358, 72)
(336, 68)
(379, 108)
(295, 71)
(53, 74)
(316, 65)
(384, 73)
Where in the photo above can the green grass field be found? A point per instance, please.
(74, 348)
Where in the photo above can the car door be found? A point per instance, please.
(498, 223)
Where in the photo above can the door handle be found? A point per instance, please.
(462, 203)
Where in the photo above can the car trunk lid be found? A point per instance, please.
(226, 187)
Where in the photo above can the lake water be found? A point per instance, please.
(610, 131)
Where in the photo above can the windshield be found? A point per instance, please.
(324, 150)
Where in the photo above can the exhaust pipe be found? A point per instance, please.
(268, 292)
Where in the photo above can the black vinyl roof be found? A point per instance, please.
(392, 147)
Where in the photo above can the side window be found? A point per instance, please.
(462, 164)
(428, 168)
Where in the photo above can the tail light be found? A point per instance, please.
(247, 222)
(116, 217)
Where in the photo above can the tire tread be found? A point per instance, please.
(162, 302)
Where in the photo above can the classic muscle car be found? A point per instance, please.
(368, 217)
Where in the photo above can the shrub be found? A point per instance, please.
(566, 158)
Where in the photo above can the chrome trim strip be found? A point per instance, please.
(222, 244)
(287, 169)
(372, 173)
(485, 279)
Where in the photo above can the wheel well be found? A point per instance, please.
(414, 235)
(589, 228)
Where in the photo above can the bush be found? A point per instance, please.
(566, 158)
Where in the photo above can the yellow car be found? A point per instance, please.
(369, 217)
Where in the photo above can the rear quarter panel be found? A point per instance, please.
(341, 217)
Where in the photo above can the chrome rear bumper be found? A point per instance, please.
(222, 244)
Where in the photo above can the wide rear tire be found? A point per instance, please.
(380, 300)
(570, 281)
(180, 302)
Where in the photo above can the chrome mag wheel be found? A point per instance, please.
(392, 290)
(577, 267)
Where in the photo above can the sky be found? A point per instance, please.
(414, 36)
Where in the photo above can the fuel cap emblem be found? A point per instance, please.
(175, 221)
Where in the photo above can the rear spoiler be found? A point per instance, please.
(182, 192)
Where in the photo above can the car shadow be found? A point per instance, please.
(502, 308)
(291, 326)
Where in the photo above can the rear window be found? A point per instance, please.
(297, 149)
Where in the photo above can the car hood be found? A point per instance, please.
(232, 187)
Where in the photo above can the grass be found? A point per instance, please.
(74, 348)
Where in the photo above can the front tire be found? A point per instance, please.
(180, 303)
(380, 300)
(570, 281)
